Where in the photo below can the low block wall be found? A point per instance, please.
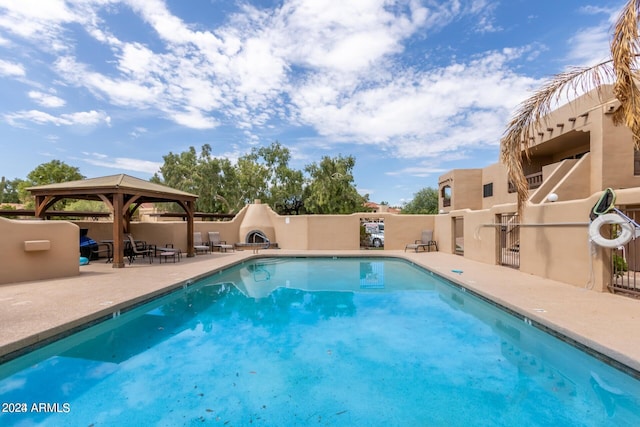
(35, 250)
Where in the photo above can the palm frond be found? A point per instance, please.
(621, 68)
(624, 53)
(527, 118)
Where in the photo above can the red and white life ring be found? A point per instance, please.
(627, 231)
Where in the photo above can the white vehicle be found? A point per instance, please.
(376, 233)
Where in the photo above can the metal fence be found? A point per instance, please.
(625, 261)
(509, 240)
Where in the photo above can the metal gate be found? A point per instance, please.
(458, 235)
(625, 260)
(509, 240)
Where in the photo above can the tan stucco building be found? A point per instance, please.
(576, 152)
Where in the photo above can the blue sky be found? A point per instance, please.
(411, 88)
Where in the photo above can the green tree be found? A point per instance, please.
(424, 201)
(252, 177)
(202, 174)
(264, 173)
(9, 190)
(331, 189)
(86, 206)
(222, 186)
(52, 172)
(285, 185)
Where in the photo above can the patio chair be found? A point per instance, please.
(215, 242)
(138, 248)
(198, 245)
(426, 242)
(103, 248)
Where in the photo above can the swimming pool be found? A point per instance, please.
(305, 341)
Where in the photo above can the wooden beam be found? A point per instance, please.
(43, 203)
(190, 208)
(107, 201)
(118, 224)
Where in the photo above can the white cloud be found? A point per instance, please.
(591, 45)
(138, 131)
(46, 100)
(484, 10)
(11, 69)
(420, 170)
(344, 36)
(42, 22)
(331, 66)
(122, 163)
(420, 115)
(88, 118)
(194, 119)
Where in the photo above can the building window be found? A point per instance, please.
(446, 196)
(487, 190)
(636, 162)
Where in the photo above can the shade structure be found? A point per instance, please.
(123, 195)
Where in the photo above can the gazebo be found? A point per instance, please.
(123, 194)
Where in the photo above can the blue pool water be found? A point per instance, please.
(337, 342)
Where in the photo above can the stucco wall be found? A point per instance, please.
(291, 231)
(333, 232)
(53, 250)
(551, 246)
(466, 189)
(497, 175)
(562, 252)
(618, 157)
(553, 238)
(403, 229)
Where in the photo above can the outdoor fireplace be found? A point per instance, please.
(256, 228)
(256, 236)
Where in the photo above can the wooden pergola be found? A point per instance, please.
(123, 195)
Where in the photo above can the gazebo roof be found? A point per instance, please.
(122, 183)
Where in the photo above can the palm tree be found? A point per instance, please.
(620, 68)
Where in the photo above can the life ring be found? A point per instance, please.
(627, 231)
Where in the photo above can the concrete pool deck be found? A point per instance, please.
(36, 312)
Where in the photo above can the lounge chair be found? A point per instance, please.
(426, 242)
(138, 248)
(198, 245)
(215, 242)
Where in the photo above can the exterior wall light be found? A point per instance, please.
(553, 197)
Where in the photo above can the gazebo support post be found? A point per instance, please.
(190, 209)
(118, 224)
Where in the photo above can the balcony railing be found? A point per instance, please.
(534, 181)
